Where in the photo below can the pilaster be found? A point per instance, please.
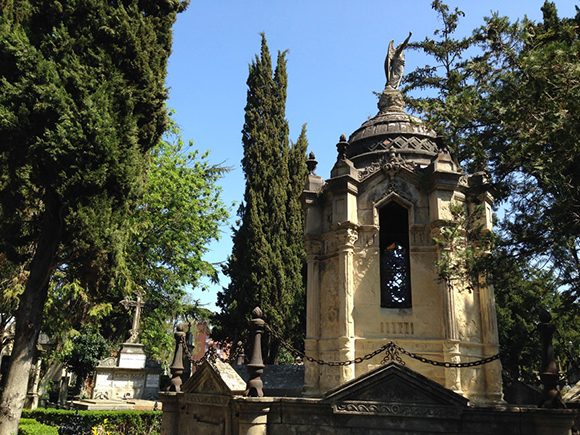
(346, 239)
(312, 371)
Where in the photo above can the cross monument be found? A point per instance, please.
(138, 305)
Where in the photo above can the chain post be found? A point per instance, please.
(254, 387)
(551, 397)
(177, 367)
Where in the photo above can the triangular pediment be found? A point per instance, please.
(216, 377)
(395, 390)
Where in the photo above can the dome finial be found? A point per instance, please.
(395, 63)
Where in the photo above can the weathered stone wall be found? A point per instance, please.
(300, 416)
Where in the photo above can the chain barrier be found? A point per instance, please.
(210, 355)
(392, 353)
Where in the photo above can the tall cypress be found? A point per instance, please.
(261, 268)
(295, 253)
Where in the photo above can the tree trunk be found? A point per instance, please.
(28, 322)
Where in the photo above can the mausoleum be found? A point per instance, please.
(372, 274)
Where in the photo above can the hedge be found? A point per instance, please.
(29, 426)
(71, 422)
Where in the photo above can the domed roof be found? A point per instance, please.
(392, 129)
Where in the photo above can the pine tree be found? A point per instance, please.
(82, 99)
(264, 263)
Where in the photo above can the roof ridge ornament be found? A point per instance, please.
(391, 99)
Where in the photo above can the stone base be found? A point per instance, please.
(95, 405)
(132, 356)
(136, 405)
(115, 383)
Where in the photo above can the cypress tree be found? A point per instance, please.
(262, 268)
(295, 254)
(82, 99)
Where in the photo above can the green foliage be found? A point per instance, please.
(82, 97)
(506, 101)
(116, 422)
(179, 214)
(171, 226)
(464, 247)
(265, 264)
(29, 426)
(87, 349)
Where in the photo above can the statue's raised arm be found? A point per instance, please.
(395, 63)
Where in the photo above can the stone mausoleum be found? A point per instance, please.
(372, 279)
(371, 258)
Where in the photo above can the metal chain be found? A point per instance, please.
(391, 350)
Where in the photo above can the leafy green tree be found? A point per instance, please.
(264, 265)
(88, 348)
(82, 98)
(179, 215)
(505, 99)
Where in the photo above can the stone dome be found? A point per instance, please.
(392, 130)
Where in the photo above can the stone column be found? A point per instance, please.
(490, 340)
(346, 347)
(312, 370)
(451, 349)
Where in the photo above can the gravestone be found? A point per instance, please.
(132, 355)
(130, 376)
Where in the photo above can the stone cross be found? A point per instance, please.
(138, 304)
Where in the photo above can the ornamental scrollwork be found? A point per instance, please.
(390, 164)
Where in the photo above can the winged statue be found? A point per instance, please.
(395, 63)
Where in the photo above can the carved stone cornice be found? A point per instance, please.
(390, 164)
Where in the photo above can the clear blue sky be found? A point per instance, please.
(336, 50)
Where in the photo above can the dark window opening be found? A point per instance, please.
(395, 264)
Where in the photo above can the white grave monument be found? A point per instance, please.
(128, 376)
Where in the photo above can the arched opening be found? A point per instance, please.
(395, 265)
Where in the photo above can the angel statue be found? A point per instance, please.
(395, 63)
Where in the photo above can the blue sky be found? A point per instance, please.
(335, 59)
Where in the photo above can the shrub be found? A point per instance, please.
(83, 422)
(29, 426)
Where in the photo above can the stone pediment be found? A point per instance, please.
(395, 390)
(217, 377)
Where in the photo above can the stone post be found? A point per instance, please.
(254, 387)
(551, 397)
(177, 367)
